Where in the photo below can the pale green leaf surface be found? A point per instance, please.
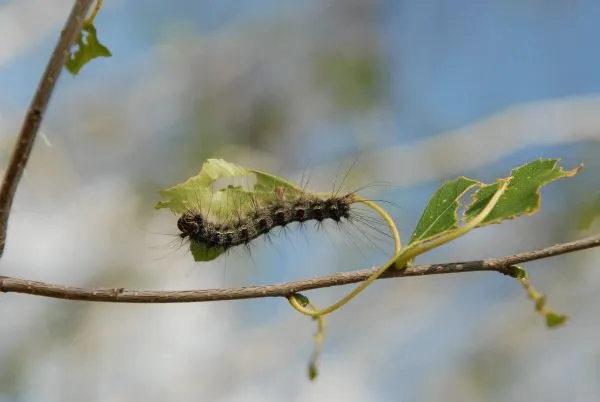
(252, 187)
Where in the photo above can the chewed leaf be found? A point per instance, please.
(522, 197)
(197, 191)
(88, 48)
(440, 215)
(250, 188)
(185, 196)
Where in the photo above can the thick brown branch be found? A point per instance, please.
(35, 113)
(120, 295)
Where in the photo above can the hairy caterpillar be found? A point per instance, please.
(216, 220)
(244, 229)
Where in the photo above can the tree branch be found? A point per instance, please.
(35, 113)
(120, 295)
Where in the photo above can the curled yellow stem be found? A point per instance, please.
(403, 256)
(397, 248)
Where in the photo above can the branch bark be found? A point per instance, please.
(120, 295)
(35, 113)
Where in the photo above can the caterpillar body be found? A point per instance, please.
(213, 234)
(214, 219)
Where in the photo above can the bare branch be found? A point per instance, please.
(120, 295)
(35, 113)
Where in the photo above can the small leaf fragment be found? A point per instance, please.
(517, 272)
(522, 197)
(554, 319)
(440, 215)
(202, 253)
(540, 303)
(88, 48)
(300, 298)
(313, 372)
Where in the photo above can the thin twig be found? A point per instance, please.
(120, 295)
(35, 113)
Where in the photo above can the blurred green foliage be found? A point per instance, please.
(355, 80)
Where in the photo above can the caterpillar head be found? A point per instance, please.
(190, 224)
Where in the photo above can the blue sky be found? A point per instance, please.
(460, 61)
(450, 63)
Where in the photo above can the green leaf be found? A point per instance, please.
(540, 303)
(313, 372)
(300, 298)
(554, 319)
(88, 48)
(201, 192)
(517, 272)
(202, 253)
(522, 197)
(440, 215)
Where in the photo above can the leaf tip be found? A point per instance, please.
(554, 320)
(574, 171)
(313, 373)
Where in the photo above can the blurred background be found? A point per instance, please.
(415, 92)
